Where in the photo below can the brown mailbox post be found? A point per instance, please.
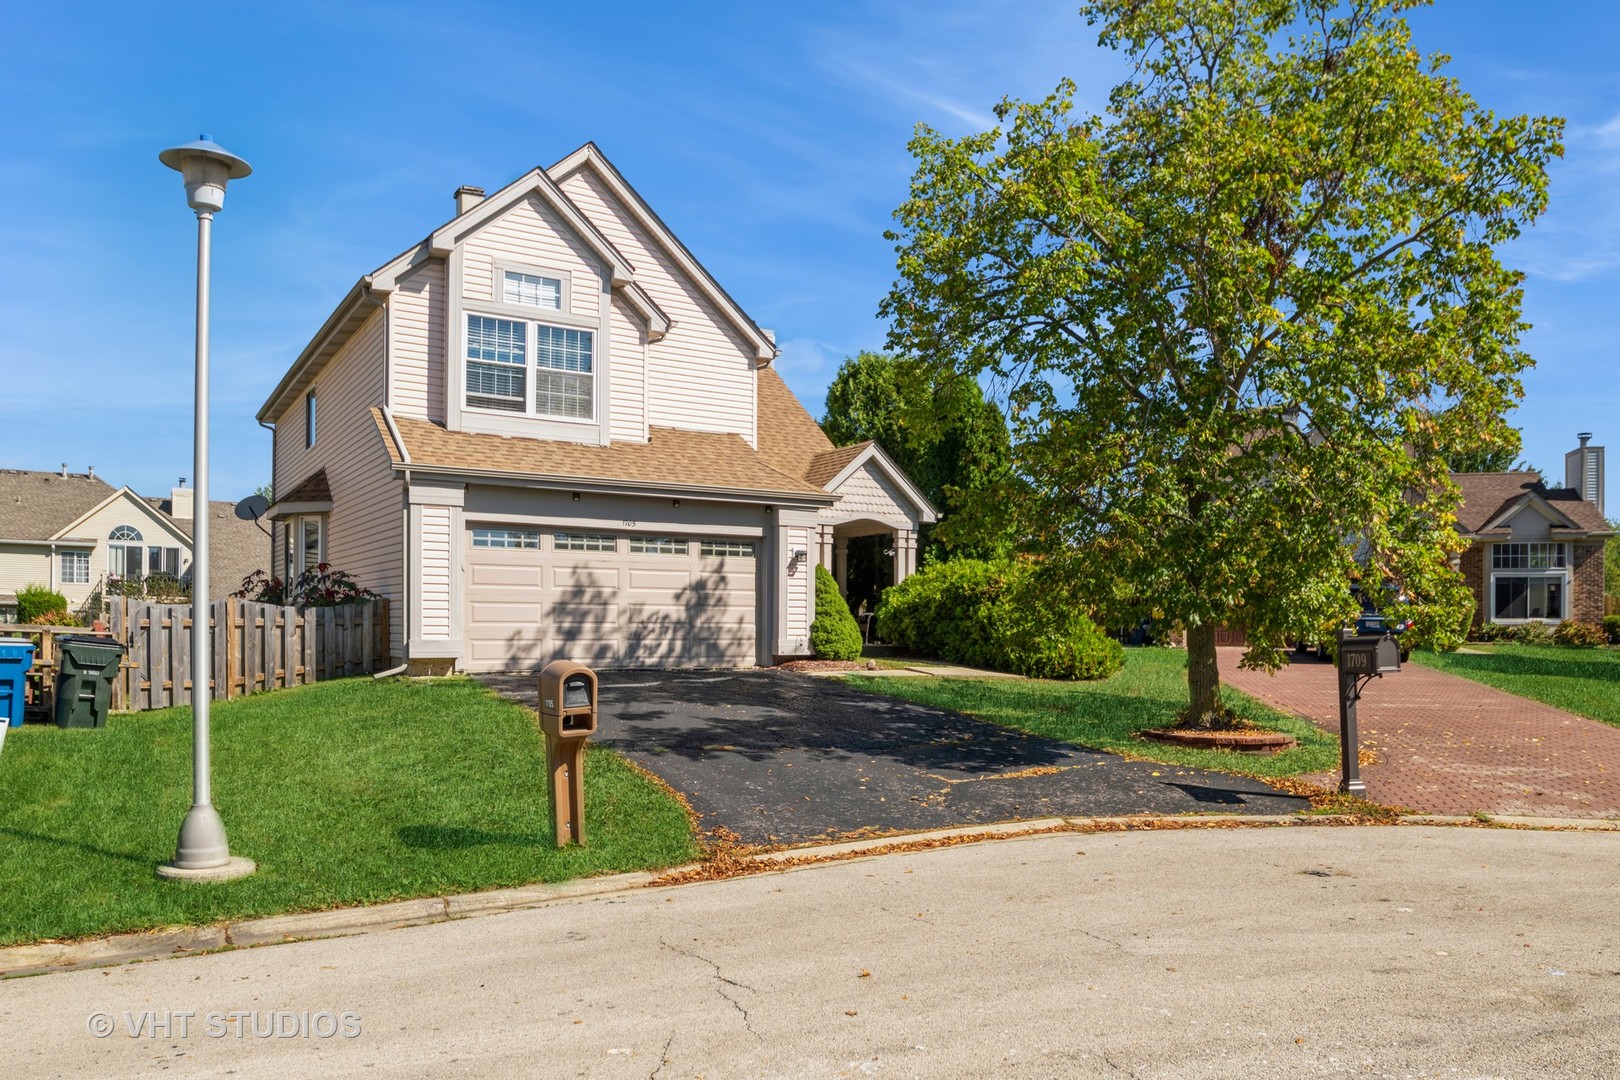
(567, 716)
(1362, 657)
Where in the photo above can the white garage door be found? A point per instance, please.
(610, 600)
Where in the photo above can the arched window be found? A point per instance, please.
(127, 558)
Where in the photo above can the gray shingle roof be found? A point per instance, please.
(39, 505)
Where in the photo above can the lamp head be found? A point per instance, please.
(206, 167)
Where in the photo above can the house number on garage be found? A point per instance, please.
(629, 524)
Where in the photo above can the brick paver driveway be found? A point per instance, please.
(1445, 745)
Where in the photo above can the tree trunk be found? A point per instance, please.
(1203, 680)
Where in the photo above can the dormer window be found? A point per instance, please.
(532, 290)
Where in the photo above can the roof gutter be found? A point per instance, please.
(360, 293)
(609, 487)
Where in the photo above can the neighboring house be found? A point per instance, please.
(73, 532)
(1535, 554)
(545, 431)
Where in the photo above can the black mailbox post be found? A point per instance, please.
(1361, 657)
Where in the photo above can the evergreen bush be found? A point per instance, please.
(834, 635)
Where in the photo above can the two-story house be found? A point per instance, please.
(546, 431)
(1535, 553)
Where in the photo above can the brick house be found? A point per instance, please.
(1535, 553)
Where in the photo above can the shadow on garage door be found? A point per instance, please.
(778, 757)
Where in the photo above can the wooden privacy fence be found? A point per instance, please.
(256, 647)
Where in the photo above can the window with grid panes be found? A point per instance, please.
(584, 542)
(657, 545)
(738, 549)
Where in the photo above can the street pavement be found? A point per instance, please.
(1401, 951)
(778, 757)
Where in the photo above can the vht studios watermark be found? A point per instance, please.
(242, 1024)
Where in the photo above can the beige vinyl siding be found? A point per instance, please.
(798, 601)
(627, 390)
(701, 374)
(364, 534)
(436, 569)
(22, 566)
(529, 234)
(417, 342)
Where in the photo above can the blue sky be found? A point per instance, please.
(771, 137)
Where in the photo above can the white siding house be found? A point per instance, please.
(545, 430)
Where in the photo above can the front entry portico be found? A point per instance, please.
(876, 517)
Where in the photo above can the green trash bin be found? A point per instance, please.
(86, 667)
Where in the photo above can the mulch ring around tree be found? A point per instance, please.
(1256, 741)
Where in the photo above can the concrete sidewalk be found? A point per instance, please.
(1446, 745)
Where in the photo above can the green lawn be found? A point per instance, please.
(346, 792)
(1584, 681)
(1106, 715)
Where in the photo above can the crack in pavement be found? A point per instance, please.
(1105, 941)
(663, 1056)
(720, 978)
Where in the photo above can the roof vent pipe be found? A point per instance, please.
(64, 470)
(468, 197)
(91, 469)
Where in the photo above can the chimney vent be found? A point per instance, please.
(468, 197)
(64, 470)
(1583, 470)
(91, 470)
(182, 505)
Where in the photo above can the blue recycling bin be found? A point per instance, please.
(16, 657)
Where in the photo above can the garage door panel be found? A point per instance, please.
(508, 613)
(661, 580)
(602, 578)
(504, 575)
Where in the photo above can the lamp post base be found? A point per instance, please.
(202, 851)
(235, 867)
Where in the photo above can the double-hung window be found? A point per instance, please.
(75, 568)
(497, 363)
(532, 366)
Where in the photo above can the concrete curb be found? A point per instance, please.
(52, 956)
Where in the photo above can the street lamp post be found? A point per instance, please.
(202, 852)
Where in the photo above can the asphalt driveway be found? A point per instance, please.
(778, 757)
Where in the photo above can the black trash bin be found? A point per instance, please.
(86, 667)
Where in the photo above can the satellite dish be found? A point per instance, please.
(252, 508)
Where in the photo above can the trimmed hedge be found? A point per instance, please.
(1611, 627)
(994, 615)
(834, 635)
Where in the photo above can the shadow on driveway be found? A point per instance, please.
(777, 757)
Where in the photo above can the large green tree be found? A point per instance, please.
(943, 432)
(1242, 318)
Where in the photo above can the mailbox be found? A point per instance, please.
(1369, 654)
(567, 700)
(567, 716)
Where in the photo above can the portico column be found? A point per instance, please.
(908, 538)
(841, 563)
(824, 546)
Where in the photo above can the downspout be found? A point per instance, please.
(405, 535)
(271, 428)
